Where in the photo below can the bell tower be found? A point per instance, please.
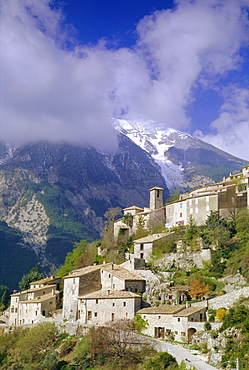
(156, 198)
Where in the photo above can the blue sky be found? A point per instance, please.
(68, 70)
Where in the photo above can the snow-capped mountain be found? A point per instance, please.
(186, 162)
(6, 152)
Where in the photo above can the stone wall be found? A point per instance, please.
(184, 260)
(224, 301)
(89, 283)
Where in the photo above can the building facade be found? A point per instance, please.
(33, 305)
(176, 322)
(225, 197)
(108, 282)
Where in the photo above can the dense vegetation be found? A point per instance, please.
(43, 347)
(34, 274)
(10, 241)
(236, 327)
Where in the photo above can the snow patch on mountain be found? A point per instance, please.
(6, 152)
(155, 140)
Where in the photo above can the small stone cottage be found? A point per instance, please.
(176, 322)
(143, 247)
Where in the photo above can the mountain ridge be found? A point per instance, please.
(177, 153)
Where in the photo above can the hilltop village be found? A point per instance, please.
(99, 294)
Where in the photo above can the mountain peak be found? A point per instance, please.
(185, 161)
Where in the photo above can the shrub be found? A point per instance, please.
(207, 326)
(161, 361)
(220, 314)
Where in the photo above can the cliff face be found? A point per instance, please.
(54, 195)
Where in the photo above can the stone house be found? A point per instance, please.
(33, 305)
(104, 306)
(83, 285)
(176, 322)
(143, 247)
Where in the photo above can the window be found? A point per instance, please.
(178, 319)
(207, 208)
(89, 315)
(191, 211)
(141, 255)
(112, 316)
(97, 301)
(176, 332)
(159, 317)
(109, 275)
(196, 210)
(113, 304)
(207, 198)
(183, 334)
(113, 285)
(180, 205)
(95, 314)
(170, 296)
(74, 281)
(190, 202)
(196, 201)
(141, 247)
(157, 193)
(169, 210)
(180, 214)
(124, 304)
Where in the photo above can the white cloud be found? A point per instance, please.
(48, 92)
(52, 92)
(231, 129)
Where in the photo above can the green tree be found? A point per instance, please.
(217, 230)
(175, 195)
(139, 323)
(3, 304)
(242, 224)
(81, 256)
(141, 231)
(161, 361)
(128, 219)
(108, 237)
(33, 275)
(191, 233)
